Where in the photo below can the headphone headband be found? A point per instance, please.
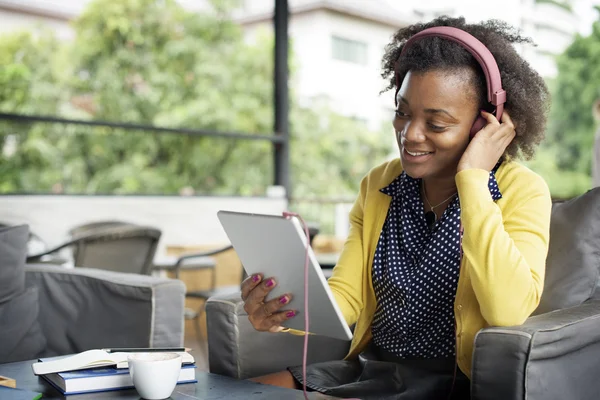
(495, 94)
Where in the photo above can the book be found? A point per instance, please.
(104, 379)
(8, 393)
(90, 359)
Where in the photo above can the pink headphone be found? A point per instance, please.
(495, 94)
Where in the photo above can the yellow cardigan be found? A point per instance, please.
(505, 245)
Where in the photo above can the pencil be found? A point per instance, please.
(148, 350)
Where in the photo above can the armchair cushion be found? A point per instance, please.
(573, 261)
(551, 356)
(20, 333)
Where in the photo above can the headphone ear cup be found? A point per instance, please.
(478, 125)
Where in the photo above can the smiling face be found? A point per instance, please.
(435, 112)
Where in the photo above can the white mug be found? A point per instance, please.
(154, 375)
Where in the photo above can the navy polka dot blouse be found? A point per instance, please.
(415, 274)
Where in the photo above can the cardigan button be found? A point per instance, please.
(459, 307)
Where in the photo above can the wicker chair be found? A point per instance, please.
(96, 227)
(122, 248)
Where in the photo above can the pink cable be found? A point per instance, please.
(306, 319)
(288, 214)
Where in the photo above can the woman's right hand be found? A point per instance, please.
(264, 316)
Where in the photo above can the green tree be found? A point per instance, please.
(571, 126)
(29, 81)
(152, 62)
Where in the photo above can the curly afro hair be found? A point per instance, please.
(527, 95)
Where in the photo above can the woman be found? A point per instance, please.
(448, 239)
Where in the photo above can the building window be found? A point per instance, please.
(349, 50)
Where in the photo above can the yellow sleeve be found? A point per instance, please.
(346, 282)
(507, 252)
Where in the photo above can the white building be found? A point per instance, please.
(55, 14)
(338, 44)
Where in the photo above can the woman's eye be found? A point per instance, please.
(400, 114)
(436, 128)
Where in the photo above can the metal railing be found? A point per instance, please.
(139, 127)
(103, 134)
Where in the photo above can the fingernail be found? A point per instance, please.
(255, 278)
(283, 300)
(270, 283)
(290, 314)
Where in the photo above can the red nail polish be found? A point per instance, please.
(270, 283)
(290, 314)
(283, 300)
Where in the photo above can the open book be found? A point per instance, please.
(90, 359)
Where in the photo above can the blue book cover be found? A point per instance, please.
(104, 379)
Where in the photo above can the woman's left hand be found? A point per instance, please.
(488, 145)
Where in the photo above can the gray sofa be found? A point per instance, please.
(554, 355)
(72, 310)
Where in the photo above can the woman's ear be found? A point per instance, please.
(596, 110)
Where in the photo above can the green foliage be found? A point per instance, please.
(577, 86)
(563, 184)
(29, 66)
(151, 62)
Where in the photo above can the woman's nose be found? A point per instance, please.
(411, 132)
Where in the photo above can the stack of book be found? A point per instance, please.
(100, 370)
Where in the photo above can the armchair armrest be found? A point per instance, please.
(236, 349)
(84, 308)
(195, 261)
(204, 254)
(551, 356)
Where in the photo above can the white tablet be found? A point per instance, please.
(275, 246)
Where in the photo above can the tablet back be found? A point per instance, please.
(275, 246)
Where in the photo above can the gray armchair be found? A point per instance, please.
(48, 310)
(555, 354)
(59, 311)
(551, 356)
(82, 309)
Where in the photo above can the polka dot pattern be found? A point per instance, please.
(415, 274)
